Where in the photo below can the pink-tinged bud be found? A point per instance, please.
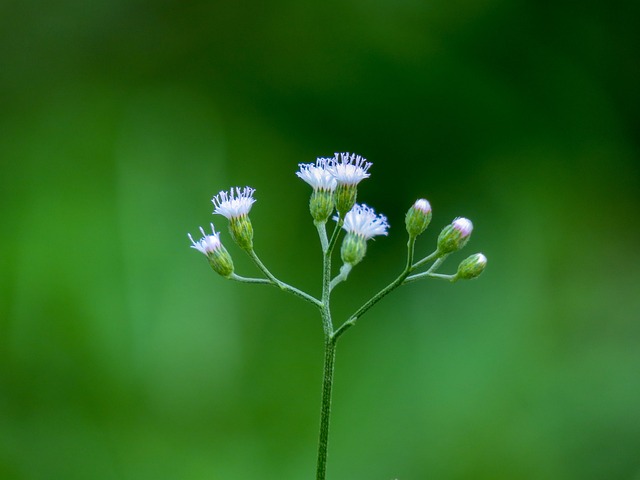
(471, 267)
(418, 217)
(454, 236)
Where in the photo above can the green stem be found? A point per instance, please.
(329, 355)
(334, 236)
(428, 273)
(382, 293)
(322, 233)
(325, 409)
(427, 259)
(262, 281)
(342, 276)
(282, 285)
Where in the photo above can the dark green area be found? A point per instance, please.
(123, 356)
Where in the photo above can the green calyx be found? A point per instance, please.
(345, 197)
(242, 232)
(354, 248)
(221, 261)
(321, 205)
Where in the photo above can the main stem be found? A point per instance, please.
(329, 347)
(325, 411)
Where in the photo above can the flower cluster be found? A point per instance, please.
(334, 182)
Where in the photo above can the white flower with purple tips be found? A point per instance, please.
(234, 203)
(208, 243)
(318, 175)
(363, 221)
(349, 169)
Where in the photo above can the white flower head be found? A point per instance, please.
(349, 169)
(208, 243)
(463, 225)
(318, 175)
(363, 221)
(235, 203)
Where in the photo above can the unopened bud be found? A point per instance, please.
(354, 248)
(418, 217)
(455, 236)
(471, 267)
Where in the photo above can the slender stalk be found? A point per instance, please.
(325, 409)
(342, 276)
(382, 293)
(279, 283)
(427, 259)
(322, 233)
(428, 273)
(329, 352)
(263, 281)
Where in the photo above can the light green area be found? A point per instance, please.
(124, 356)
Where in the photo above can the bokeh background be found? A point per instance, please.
(123, 356)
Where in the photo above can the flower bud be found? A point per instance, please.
(418, 217)
(471, 267)
(218, 257)
(455, 236)
(354, 248)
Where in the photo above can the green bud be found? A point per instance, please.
(321, 205)
(471, 267)
(455, 236)
(345, 197)
(354, 248)
(221, 261)
(242, 231)
(418, 217)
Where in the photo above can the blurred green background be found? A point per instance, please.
(123, 356)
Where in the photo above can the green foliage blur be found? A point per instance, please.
(123, 356)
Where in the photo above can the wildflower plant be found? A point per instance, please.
(334, 182)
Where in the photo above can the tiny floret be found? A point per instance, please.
(318, 175)
(349, 169)
(463, 225)
(234, 203)
(218, 257)
(363, 221)
(418, 217)
(208, 243)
